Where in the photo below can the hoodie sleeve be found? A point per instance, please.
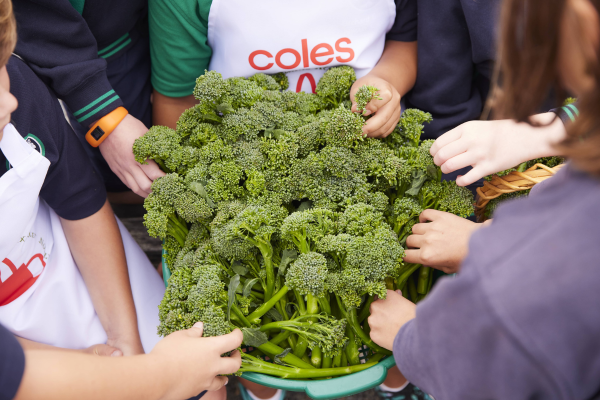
(457, 348)
(56, 42)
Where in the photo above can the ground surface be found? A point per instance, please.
(132, 218)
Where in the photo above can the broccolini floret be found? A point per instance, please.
(308, 274)
(278, 216)
(160, 144)
(342, 127)
(334, 86)
(364, 95)
(211, 91)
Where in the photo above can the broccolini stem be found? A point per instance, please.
(337, 360)
(353, 322)
(178, 223)
(162, 166)
(299, 373)
(366, 310)
(265, 307)
(316, 358)
(376, 357)
(302, 343)
(351, 348)
(312, 307)
(270, 270)
(344, 361)
(408, 270)
(273, 350)
(283, 335)
(324, 304)
(327, 361)
(240, 316)
(292, 342)
(300, 302)
(430, 282)
(423, 282)
(171, 230)
(301, 347)
(312, 304)
(412, 289)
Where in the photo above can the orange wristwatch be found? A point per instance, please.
(105, 125)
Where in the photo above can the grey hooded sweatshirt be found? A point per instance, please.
(522, 319)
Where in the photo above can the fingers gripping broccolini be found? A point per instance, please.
(280, 218)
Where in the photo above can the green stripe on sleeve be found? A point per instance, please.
(573, 107)
(115, 43)
(569, 113)
(93, 103)
(117, 49)
(100, 107)
(78, 5)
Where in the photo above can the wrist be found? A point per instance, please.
(160, 373)
(102, 128)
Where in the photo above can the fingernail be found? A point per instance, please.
(198, 325)
(226, 382)
(116, 353)
(367, 112)
(399, 291)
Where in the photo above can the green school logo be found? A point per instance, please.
(35, 143)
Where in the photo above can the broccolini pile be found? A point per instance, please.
(281, 218)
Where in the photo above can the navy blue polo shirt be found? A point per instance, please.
(456, 55)
(72, 188)
(12, 365)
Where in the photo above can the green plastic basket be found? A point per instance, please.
(318, 389)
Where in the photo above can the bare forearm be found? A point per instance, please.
(166, 110)
(27, 344)
(97, 248)
(398, 65)
(63, 376)
(541, 140)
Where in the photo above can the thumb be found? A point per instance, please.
(196, 330)
(218, 383)
(105, 350)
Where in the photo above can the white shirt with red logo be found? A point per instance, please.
(42, 294)
(301, 38)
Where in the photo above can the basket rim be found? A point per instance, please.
(347, 385)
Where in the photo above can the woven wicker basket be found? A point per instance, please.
(513, 182)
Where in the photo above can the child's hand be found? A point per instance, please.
(118, 154)
(131, 347)
(386, 111)
(440, 240)
(388, 316)
(493, 146)
(192, 364)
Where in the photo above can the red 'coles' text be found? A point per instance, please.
(320, 55)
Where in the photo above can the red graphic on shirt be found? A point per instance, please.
(261, 60)
(20, 280)
(311, 80)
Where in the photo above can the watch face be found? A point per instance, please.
(97, 133)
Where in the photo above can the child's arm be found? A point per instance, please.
(440, 240)
(180, 366)
(167, 110)
(97, 248)
(492, 146)
(97, 349)
(394, 75)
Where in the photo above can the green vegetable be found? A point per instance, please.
(281, 218)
